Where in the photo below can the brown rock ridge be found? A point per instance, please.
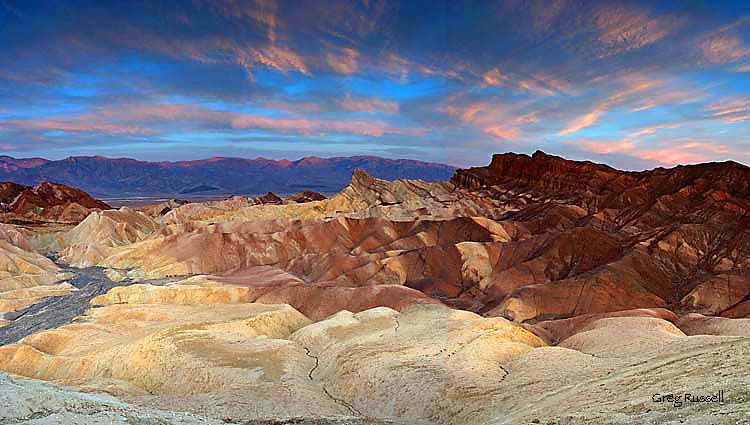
(606, 239)
(45, 202)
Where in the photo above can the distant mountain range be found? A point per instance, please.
(121, 177)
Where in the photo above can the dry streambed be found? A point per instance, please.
(53, 312)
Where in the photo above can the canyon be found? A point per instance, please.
(533, 290)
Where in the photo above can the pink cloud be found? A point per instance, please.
(636, 86)
(307, 126)
(370, 105)
(731, 111)
(131, 120)
(728, 44)
(79, 125)
(494, 119)
(622, 29)
(667, 98)
(682, 152)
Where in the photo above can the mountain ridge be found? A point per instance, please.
(106, 177)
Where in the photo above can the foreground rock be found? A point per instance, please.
(30, 402)
(222, 359)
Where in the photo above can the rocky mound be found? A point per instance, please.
(25, 276)
(45, 202)
(269, 198)
(304, 196)
(96, 236)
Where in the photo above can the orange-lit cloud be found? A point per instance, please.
(493, 77)
(344, 62)
(539, 83)
(278, 58)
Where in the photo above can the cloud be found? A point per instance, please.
(636, 85)
(647, 131)
(149, 118)
(493, 77)
(369, 105)
(344, 62)
(495, 119)
(624, 29)
(727, 45)
(684, 153)
(669, 97)
(539, 83)
(77, 125)
(681, 152)
(731, 111)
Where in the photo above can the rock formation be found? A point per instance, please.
(533, 290)
(304, 196)
(269, 198)
(45, 202)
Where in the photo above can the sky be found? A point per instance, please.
(633, 84)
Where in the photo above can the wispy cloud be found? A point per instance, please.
(637, 86)
(77, 125)
(370, 105)
(493, 118)
(731, 111)
(622, 29)
(728, 44)
(148, 119)
(538, 83)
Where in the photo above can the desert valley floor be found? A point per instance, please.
(533, 290)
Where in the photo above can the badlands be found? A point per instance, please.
(533, 290)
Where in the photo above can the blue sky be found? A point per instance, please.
(633, 84)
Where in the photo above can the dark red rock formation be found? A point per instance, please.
(269, 198)
(305, 196)
(606, 239)
(46, 202)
